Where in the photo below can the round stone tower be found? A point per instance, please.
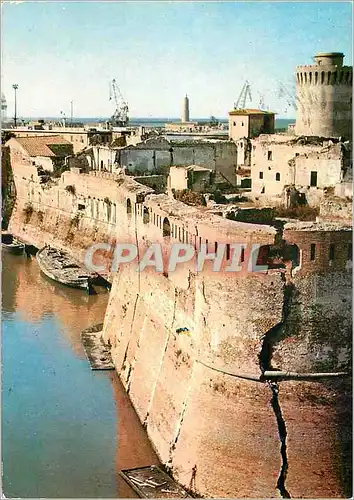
(324, 97)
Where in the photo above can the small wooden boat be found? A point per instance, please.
(58, 266)
(12, 245)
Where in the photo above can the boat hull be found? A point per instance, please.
(10, 244)
(84, 283)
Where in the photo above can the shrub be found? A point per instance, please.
(190, 197)
(218, 197)
(75, 221)
(71, 189)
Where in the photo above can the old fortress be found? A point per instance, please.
(242, 380)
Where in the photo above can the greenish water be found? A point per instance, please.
(62, 423)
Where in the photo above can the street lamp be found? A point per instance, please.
(15, 87)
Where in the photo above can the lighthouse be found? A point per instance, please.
(185, 111)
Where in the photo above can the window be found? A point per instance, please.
(242, 124)
(313, 251)
(81, 207)
(242, 258)
(313, 180)
(261, 175)
(331, 251)
(216, 247)
(234, 124)
(146, 216)
(227, 251)
(277, 176)
(166, 228)
(270, 155)
(129, 207)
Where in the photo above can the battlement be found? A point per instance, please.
(311, 75)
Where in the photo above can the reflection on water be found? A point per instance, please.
(66, 430)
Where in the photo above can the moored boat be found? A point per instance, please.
(60, 267)
(11, 244)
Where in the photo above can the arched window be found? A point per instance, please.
(322, 77)
(316, 77)
(334, 77)
(166, 228)
(146, 216)
(129, 207)
(329, 77)
(310, 77)
(305, 77)
(277, 176)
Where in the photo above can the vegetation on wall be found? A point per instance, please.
(189, 197)
(28, 211)
(71, 189)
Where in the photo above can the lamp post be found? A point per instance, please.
(15, 87)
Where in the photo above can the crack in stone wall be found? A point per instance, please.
(265, 362)
(274, 387)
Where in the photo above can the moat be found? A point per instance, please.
(66, 430)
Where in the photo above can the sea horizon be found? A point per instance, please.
(145, 121)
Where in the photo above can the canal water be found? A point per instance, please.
(66, 430)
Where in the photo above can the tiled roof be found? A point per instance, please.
(250, 112)
(40, 145)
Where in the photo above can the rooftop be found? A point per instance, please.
(41, 145)
(250, 112)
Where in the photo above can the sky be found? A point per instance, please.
(58, 52)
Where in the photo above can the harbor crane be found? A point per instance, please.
(244, 94)
(120, 115)
(283, 91)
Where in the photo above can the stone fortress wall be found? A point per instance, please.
(191, 347)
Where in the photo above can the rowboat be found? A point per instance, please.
(11, 244)
(59, 266)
